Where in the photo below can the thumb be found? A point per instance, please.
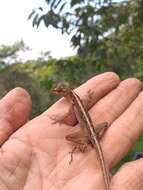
(15, 108)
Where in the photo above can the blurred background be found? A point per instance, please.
(47, 43)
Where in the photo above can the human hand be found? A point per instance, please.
(36, 156)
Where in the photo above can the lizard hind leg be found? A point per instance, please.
(82, 149)
(71, 154)
(101, 128)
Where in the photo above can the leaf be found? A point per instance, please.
(76, 40)
(40, 8)
(74, 2)
(65, 24)
(90, 10)
(61, 8)
(35, 20)
(52, 4)
(48, 1)
(46, 20)
(39, 20)
(55, 6)
(31, 14)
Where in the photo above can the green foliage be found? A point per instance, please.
(70, 71)
(108, 34)
(12, 77)
(87, 20)
(8, 54)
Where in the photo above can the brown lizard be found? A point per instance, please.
(89, 134)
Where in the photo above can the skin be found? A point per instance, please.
(35, 154)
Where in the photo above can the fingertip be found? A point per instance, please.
(22, 93)
(16, 96)
(15, 108)
(112, 75)
(24, 98)
(134, 82)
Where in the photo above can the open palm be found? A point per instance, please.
(35, 155)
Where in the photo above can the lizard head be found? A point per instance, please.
(61, 91)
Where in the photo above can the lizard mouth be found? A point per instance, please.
(59, 90)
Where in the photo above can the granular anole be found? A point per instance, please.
(88, 133)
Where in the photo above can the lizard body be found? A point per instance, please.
(85, 121)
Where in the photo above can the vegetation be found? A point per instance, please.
(107, 33)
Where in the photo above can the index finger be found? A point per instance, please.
(98, 87)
